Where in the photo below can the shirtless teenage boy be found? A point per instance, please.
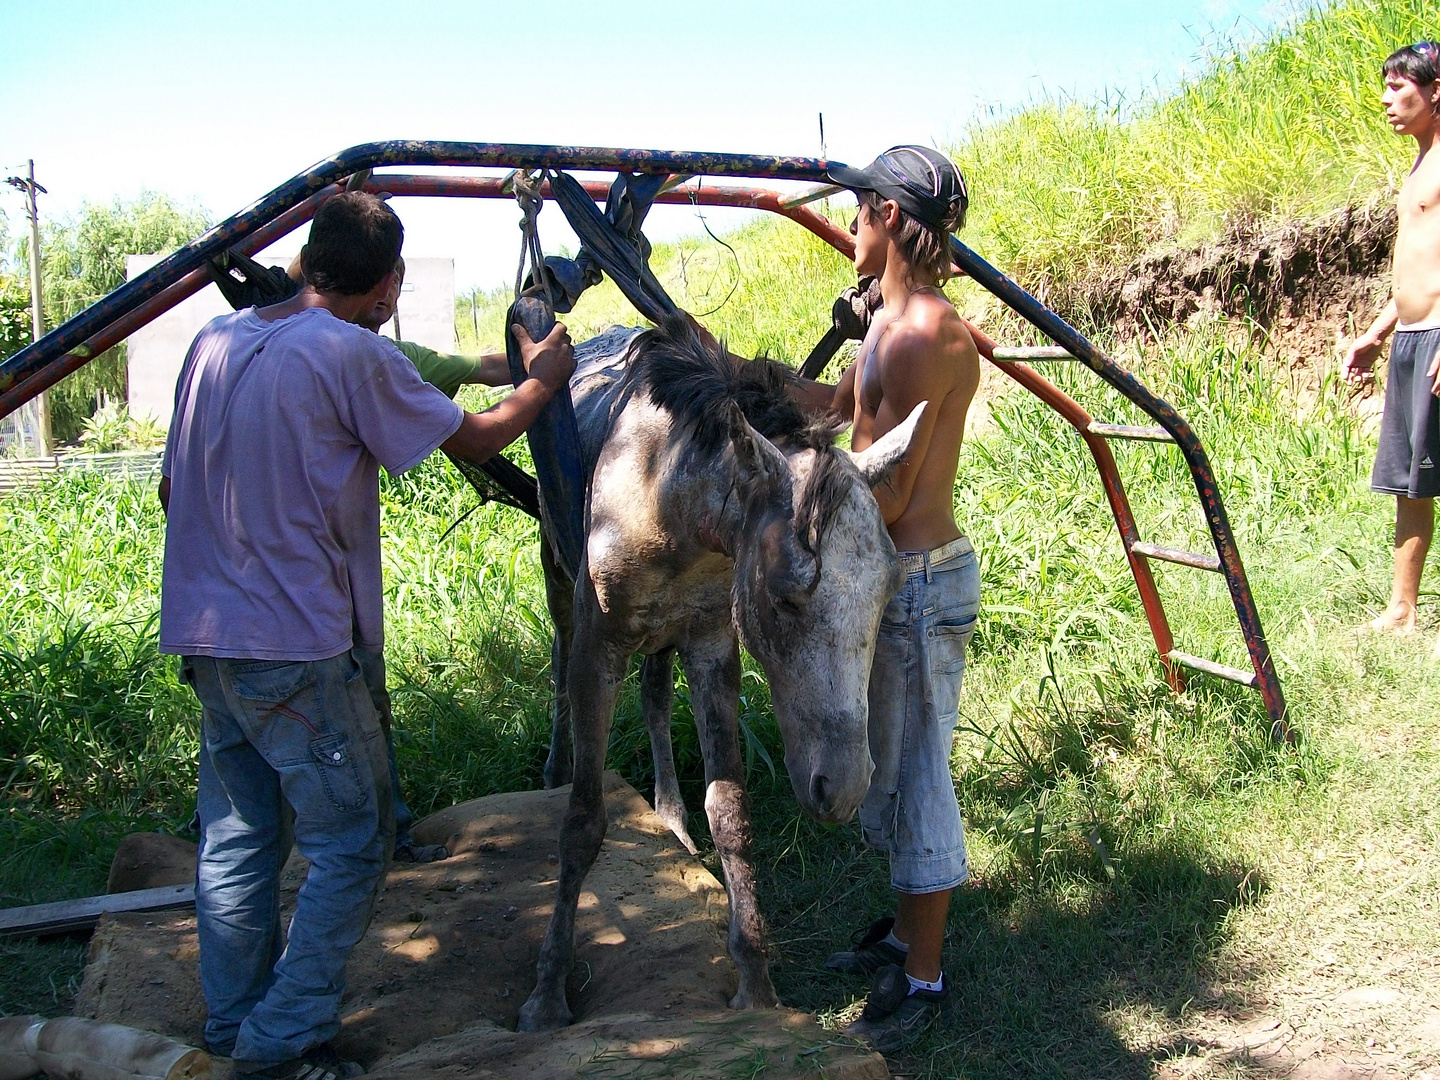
(1408, 462)
(917, 350)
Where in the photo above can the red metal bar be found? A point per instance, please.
(472, 187)
(1080, 420)
(750, 198)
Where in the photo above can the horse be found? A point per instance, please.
(717, 513)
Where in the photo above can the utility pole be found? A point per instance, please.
(41, 404)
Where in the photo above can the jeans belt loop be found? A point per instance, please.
(927, 568)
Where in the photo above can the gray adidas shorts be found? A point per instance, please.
(1408, 461)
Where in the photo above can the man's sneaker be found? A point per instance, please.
(408, 850)
(320, 1063)
(868, 952)
(893, 1015)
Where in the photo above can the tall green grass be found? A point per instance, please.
(1131, 844)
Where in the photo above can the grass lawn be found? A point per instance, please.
(1151, 878)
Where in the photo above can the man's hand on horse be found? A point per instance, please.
(552, 361)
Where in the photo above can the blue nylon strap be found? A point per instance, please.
(554, 441)
(612, 239)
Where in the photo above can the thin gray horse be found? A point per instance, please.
(717, 514)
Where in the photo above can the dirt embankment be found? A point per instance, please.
(1305, 288)
(435, 986)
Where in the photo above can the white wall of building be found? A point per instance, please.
(155, 352)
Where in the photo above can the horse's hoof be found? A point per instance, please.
(676, 823)
(762, 998)
(543, 1014)
(555, 776)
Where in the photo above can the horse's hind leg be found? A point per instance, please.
(657, 695)
(596, 670)
(560, 599)
(713, 670)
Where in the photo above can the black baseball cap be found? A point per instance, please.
(924, 182)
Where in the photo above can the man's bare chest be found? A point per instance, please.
(869, 385)
(1419, 202)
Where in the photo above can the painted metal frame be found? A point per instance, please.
(108, 321)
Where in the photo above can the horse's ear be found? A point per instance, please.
(881, 458)
(759, 460)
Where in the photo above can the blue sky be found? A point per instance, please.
(217, 103)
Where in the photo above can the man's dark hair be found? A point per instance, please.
(923, 246)
(1420, 63)
(354, 242)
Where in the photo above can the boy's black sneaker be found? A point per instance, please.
(893, 1015)
(319, 1063)
(868, 952)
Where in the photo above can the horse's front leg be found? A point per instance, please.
(712, 667)
(560, 599)
(657, 695)
(596, 670)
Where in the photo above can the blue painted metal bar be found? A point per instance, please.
(232, 230)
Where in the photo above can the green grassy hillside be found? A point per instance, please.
(1289, 129)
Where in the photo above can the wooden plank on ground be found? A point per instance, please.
(39, 920)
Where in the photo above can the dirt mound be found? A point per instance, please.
(147, 860)
(435, 985)
(1274, 276)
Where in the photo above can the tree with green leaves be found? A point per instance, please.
(82, 259)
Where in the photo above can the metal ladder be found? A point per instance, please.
(1171, 428)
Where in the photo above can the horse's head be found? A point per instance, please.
(814, 569)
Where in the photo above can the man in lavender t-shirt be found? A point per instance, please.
(283, 416)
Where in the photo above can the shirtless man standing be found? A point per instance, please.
(917, 351)
(1408, 463)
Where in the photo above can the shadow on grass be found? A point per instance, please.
(1060, 977)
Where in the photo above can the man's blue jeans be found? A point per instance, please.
(274, 734)
(372, 667)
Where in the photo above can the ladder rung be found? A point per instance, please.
(1031, 352)
(1209, 667)
(1129, 431)
(1175, 555)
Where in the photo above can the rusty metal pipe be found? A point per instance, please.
(1076, 416)
(108, 321)
(170, 270)
(44, 363)
(153, 308)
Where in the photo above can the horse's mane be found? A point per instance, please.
(695, 382)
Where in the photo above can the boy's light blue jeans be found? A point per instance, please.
(911, 810)
(274, 733)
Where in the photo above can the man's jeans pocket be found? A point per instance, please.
(303, 716)
(339, 771)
